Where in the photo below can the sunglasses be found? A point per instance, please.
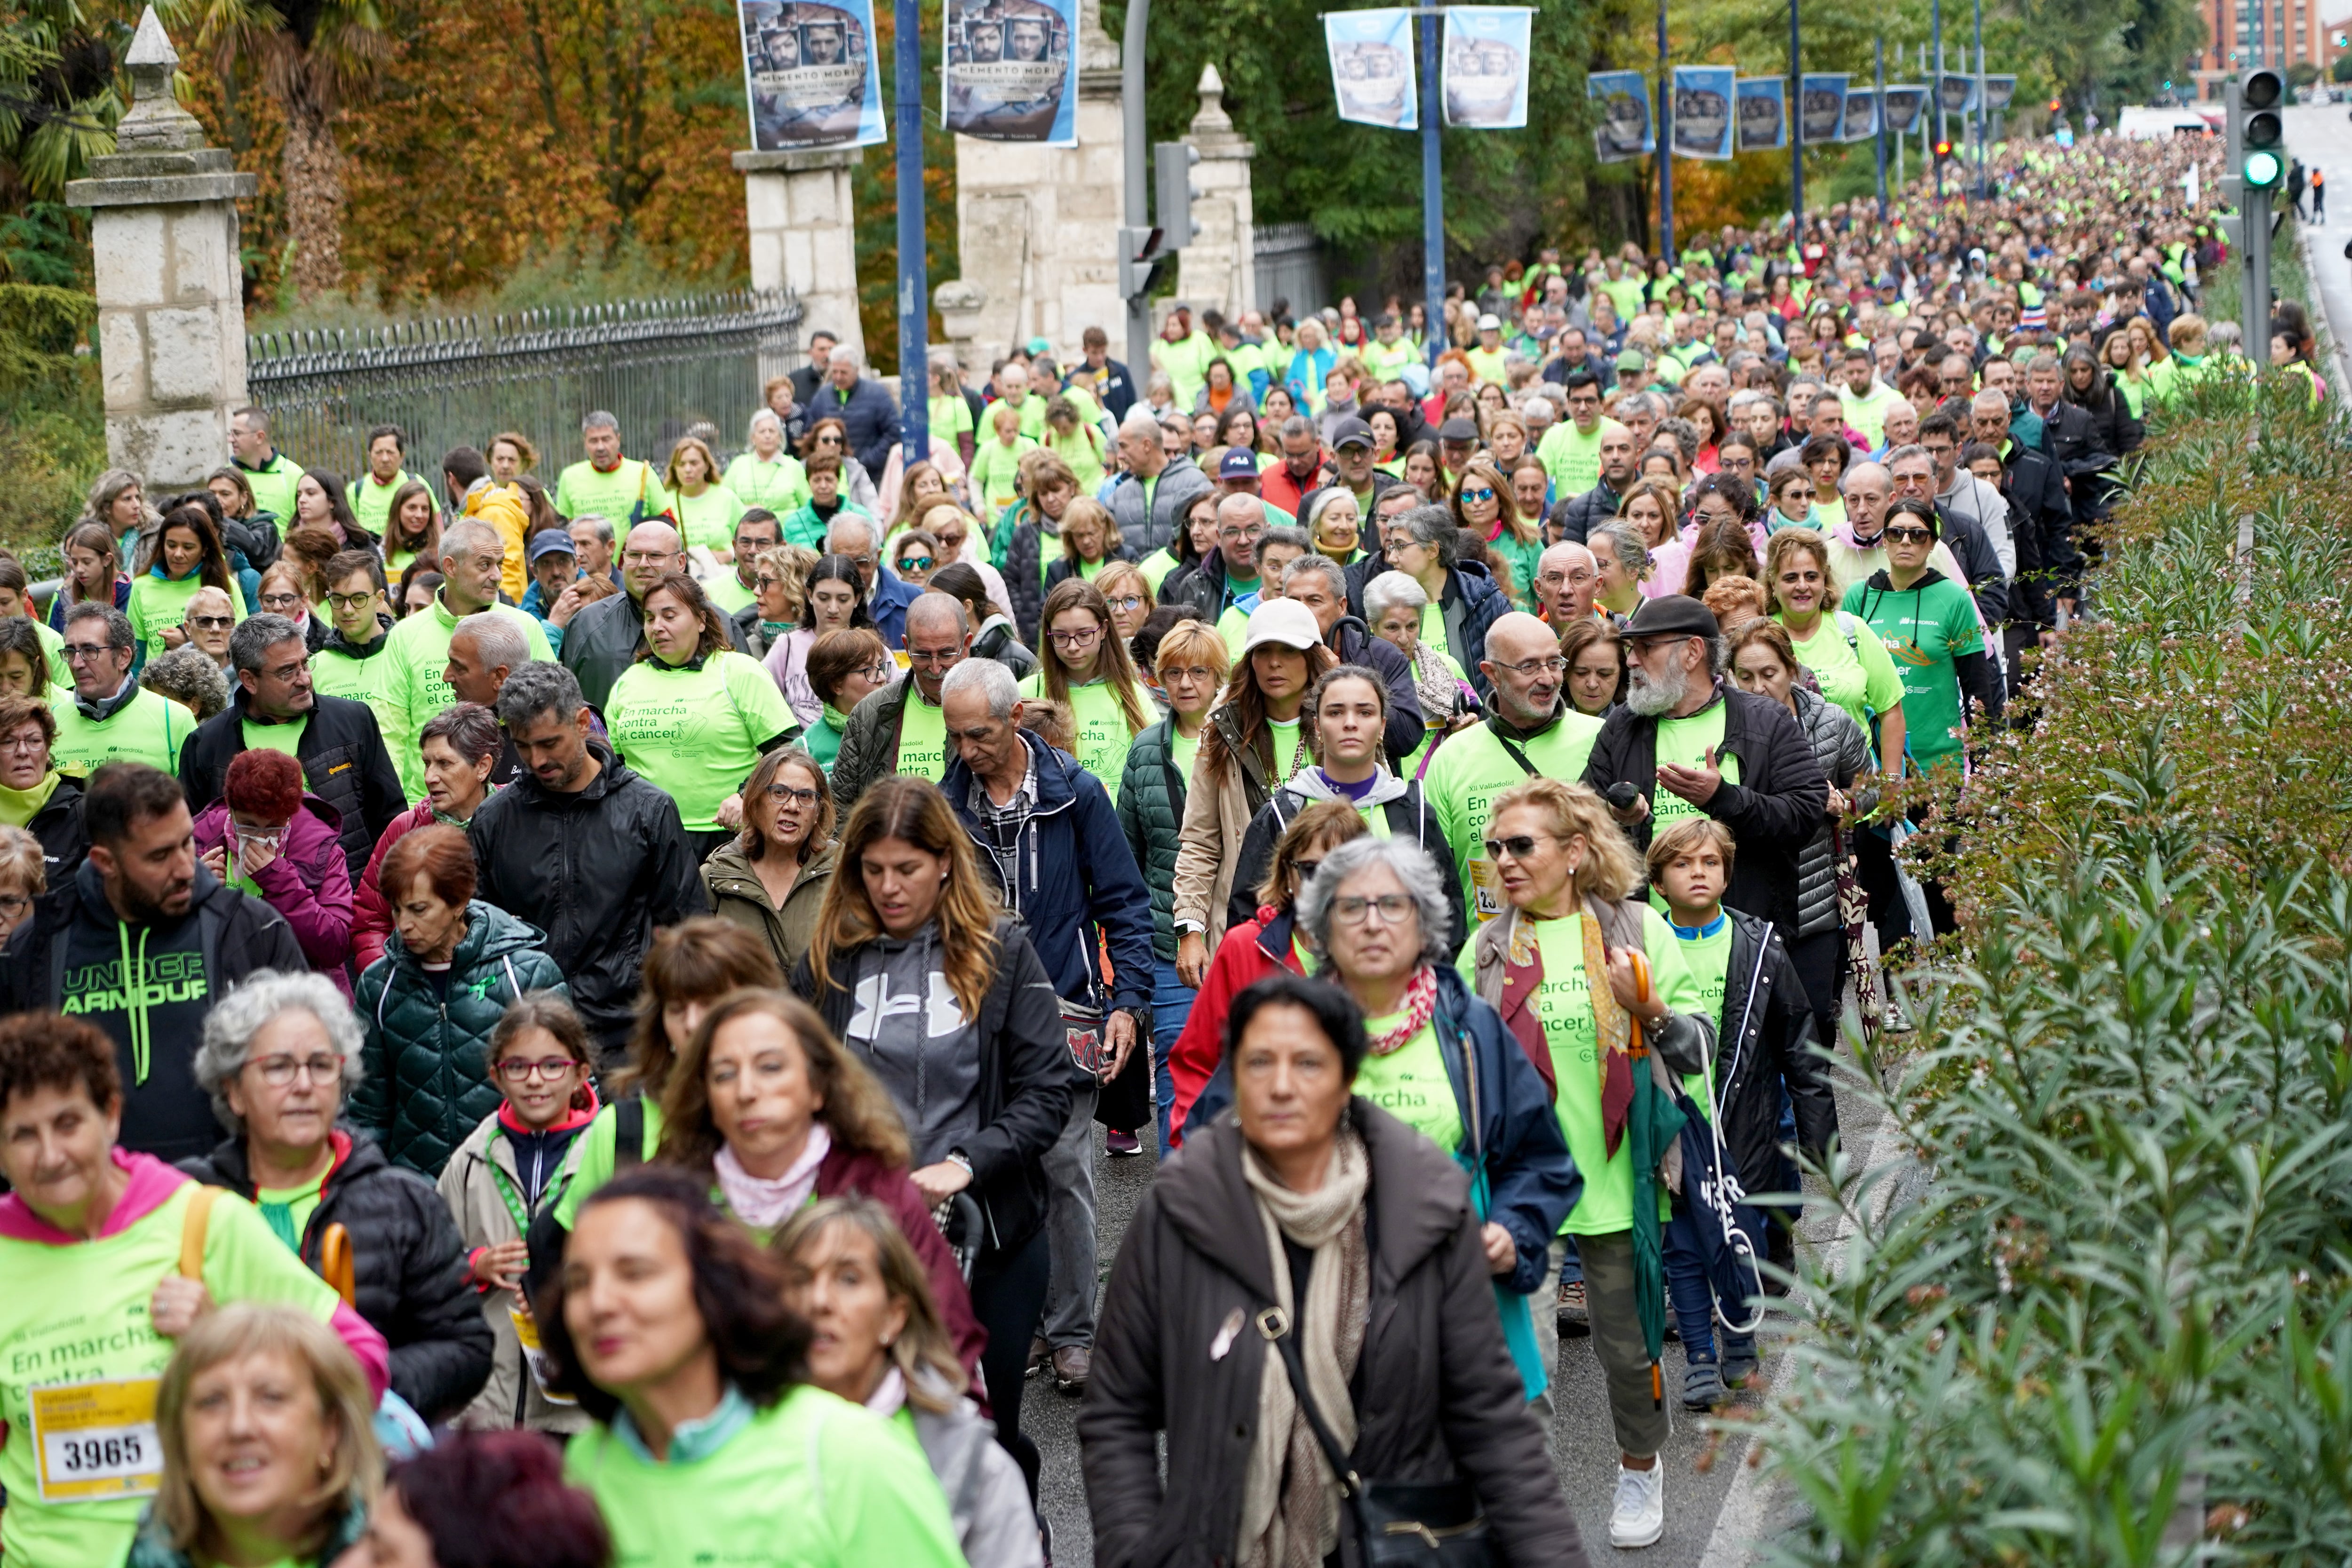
(1483, 493)
(915, 563)
(1519, 847)
(1907, 535)
(213, 623)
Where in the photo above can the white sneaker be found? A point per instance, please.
(1640, 1516)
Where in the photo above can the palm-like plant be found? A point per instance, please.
(311, 55)
(58, 102)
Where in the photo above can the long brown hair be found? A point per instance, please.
(857, 1112)
(688, 592)
(1721, 550)
(1248, 704)
(706, 957)
(1113, 663)
(913, 809)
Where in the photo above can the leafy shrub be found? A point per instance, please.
(52, 415)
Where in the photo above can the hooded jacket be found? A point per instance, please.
(65, 842)
(737, 894)
(407, 1263)
(1771, 811)
(1435, 1393)
(1471, 603)
(1765, 1039)
(599, 868)
(1979, 508)
(344, 763)
(1075, 881)
(427, 1049)
(307, 882)
(180, 966)
(504, 509)
(1403, 812)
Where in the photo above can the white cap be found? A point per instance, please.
(1286, 622)
(1490, 323)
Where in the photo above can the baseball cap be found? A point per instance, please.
(1037, 346)
(1351, 431)
(1490, 323)
(1289, 624)
(1671, 616)
(1632, 358)
(1457, 429)
(550, 541)
(1238, 463)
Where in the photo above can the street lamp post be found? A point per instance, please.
(914, 288)
(1982, 106)
(1878, 129)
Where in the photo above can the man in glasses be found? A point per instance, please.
(901, 728)
(756, 532)
(209, 618)
(143, 902)
(1529, 728)
(349, 663)
(1229, 575)
(1567, 578)
(274, 704)
(108, 716)
(473, 562)
(1692, 744)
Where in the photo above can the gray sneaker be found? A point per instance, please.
(1702, 1387)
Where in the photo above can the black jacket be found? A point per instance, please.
(597, 870)
(1434, 1391)
(1407, 815)
(1764, 1038)
(2112, 426)
(2042, 517)
(1972, 548)
(1025, 1073)
(1771, 811)
(64, 842)
(343, 759)
(2071, 438)
(408, 1263)
(601, 644)
(1198, 591)
(1579, 515)
(1354, 642)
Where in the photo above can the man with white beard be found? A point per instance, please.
(1691, 745)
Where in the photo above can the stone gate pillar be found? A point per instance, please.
(170, 291)
(805, 238)
(1218, 271)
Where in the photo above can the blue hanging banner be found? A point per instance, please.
(1956, 93)
(1763, 114)
(1901, 107)
(1372, 75)
(1485, 76)
(1008, 70)
(1703, 122)
(1861, 114)
(1821, 107)
(1625, 131)
(810, 74)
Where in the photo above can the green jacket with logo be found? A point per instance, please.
(426, 1083)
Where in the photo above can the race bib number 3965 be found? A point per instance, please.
(96, 1441)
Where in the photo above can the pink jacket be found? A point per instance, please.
(370, 910)
(309, 883)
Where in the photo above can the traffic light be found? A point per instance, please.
(2262, 135)
(2055, 105)
(1943, 150)
(1172, 168)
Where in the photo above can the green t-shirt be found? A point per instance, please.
(74, 1327)
(1686, 743)
(582, 491)
(996, 472)
(1852, 668)
(697, 734)
(1924, 630)
(1433, 628)
(1706, 953)
(147, 729)
(288, 1210)
(1410, 1084)
(590, 1161)
(1571, 457)
(812, 1481)
(273, 485)
(417, 685)
(1156, 567)
(708, 519)
(923, 739)
(1472, 768)
(727, 592)
(285, 737)
(372, 503)
(1289, 750)
(157, 603)
(780, 487)
(949, 417)
(368, 681)
(1183, 751)
(1103, 737)
(1186, 360)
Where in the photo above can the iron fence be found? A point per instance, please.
(1290, 267)
(660, 367)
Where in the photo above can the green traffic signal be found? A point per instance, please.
(2263, 168)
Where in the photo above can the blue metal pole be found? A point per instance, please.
(1936, 26)
(1432, 183)
(1665, 145)
(1796, 129)
(914, 284)
(1878, 137)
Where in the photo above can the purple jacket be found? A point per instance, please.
(309, 883)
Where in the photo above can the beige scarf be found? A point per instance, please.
(1290, 1499)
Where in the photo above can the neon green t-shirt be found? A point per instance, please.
(708, 519)
(368, 681)
(1571, 457)
(1852, 668)
(923, 739)
(147, 729)
(79, 1361)
(1410, 1084)
(697, 734)
(780, 487)
(590, 1161)
(283, 737)
(1103, 737)
(372, 503)
(157, 603)
(1686, 743)
(417, 687)
(582, 491)
(1472, 768)
(996, 472)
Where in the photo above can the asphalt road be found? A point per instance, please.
(1712, 1514)
(2321, 135)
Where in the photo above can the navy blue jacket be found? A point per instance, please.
(1074, 874)
(892, 594)
(870, 412)
(1533, 1179)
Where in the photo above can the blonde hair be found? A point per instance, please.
(1086, 509)
(1609, 869)
(23, 862)
(1193, 639)
(345, 1408)
(1776, 551)
(1685, 836)
(924, 1346)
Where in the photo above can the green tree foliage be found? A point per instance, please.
(52, 427)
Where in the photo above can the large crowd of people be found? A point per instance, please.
(571, 1019)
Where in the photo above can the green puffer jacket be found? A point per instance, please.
(426, 1082)
(1151, 818)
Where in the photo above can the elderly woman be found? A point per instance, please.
(1425, 544)
(22, 877)
(878, 1340)
(767, 475)
(670, 1328)
(93, 1244)
(279, 1054)
(1360, 1247)
(776, 1113)
(460, 745)
(34, 796)
(772, 878)
(1596, 667)
(451, 966)
(269, 837)
(188, 677)
(1394, 603)
(268, 1452)
(1583, 973)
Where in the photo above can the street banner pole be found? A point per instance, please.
(914, 288)
(1878, 134)
(1796, 133)
(1432, 182)
(1665, 145)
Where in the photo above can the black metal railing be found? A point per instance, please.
(660, 367)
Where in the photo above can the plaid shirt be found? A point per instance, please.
(1003, 824)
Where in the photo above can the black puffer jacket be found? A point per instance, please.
(344, 763)
(407, 1261)
(1844, 751)
(598, 870)
(1764, 1038)
(1579, 515)
(65, 842)
(1436, 1394)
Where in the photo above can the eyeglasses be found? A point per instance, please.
(1354, 910)
(1555, 665)
(786, 795)
(1305, 870)
(350, 602)
(286, 672)
(79, 650)
(516, 1070)
(1188, 672)
(766, 580)
(1073, 640)
(1906, 535)
(281, 601)
(934, 658)
(637, 558)
(878, 672)
(1518, 846)
(916, 563)
(212, 622)
(1126, 602)
(279, 1071)
(26, 740)
(1237, 535)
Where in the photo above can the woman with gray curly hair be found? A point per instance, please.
(279, 1057)
(1394, 603)
(1375, 914)
(191, 677)
(1464, 599)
